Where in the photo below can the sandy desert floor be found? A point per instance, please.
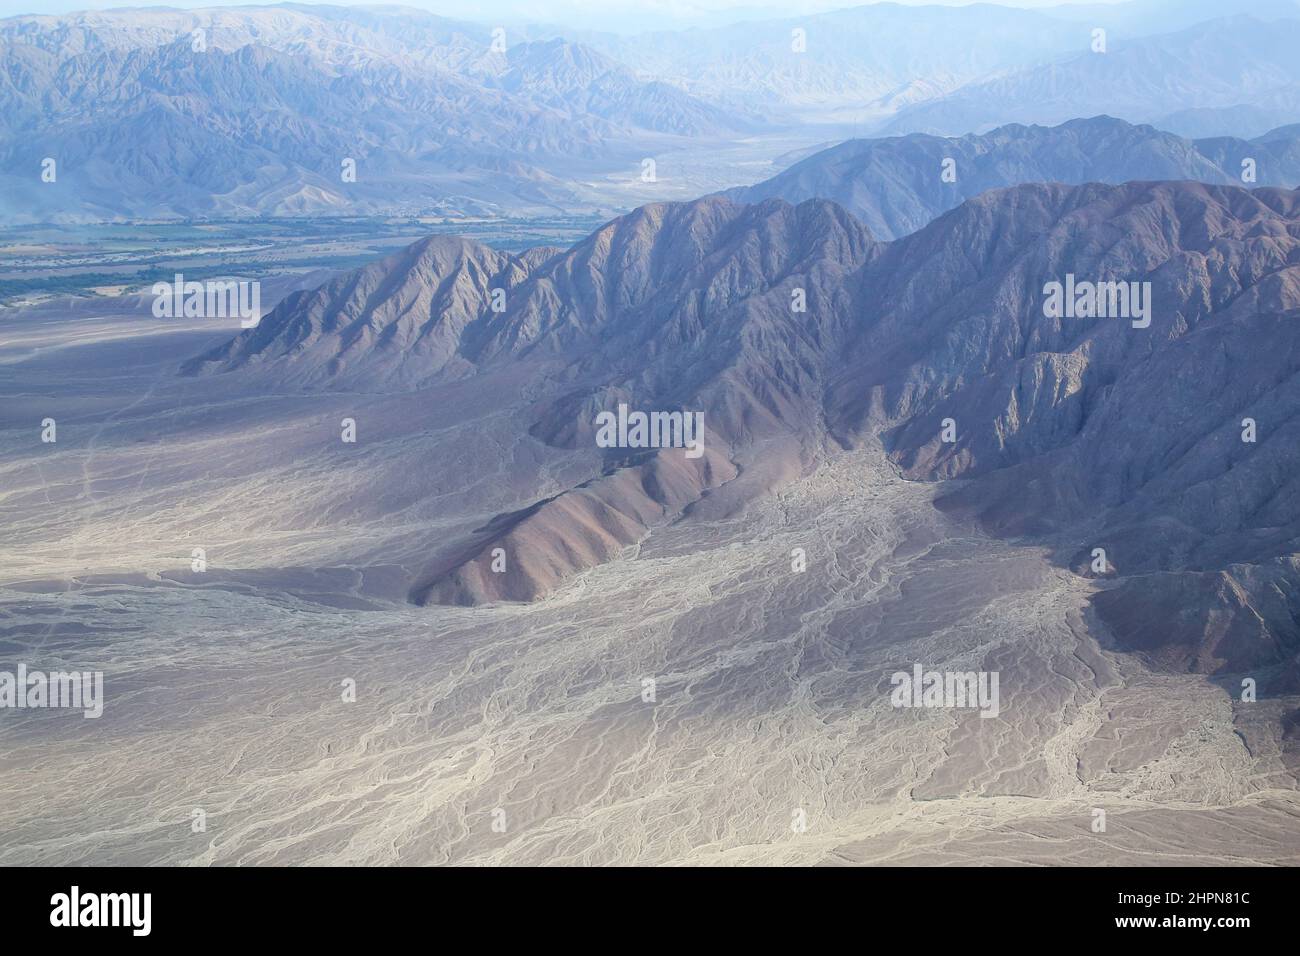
(521, 734)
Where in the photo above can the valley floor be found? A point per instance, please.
(523, 734)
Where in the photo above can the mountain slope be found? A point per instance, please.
(673, 307)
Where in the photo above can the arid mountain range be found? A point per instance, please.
(514, 443)
(1072, 432)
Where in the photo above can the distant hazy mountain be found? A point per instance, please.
(1076, 432)
(260, 116)
(1243, 67)
(338, 35)
(953, 70)
(1134, 18)
(579, 81)
(170, 131)
(247, 111)
(861, 61)
(896, 185)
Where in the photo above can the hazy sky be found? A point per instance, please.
(594, 14)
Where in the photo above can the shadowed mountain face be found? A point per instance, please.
(1123, 433)
(535, 549)
(1093, 433)
(897, 185)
